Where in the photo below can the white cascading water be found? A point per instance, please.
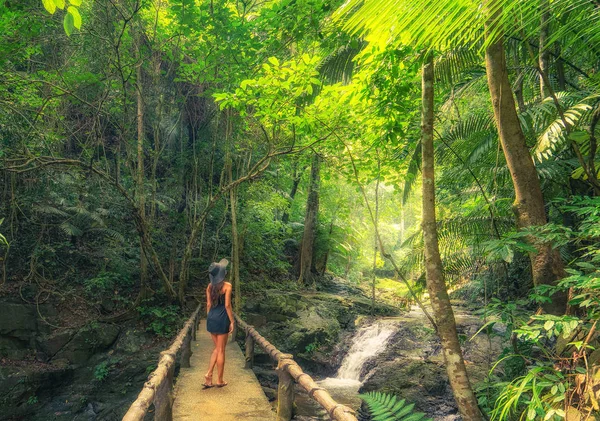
(368, 342)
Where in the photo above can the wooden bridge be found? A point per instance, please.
(181, 398)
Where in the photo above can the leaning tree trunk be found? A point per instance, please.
(440, 302)
(546, 263)
(307, 267)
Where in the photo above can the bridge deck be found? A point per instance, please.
(241, 399)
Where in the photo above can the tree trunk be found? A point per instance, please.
(326, 257)
(307, 267)
(544, 54)
(440, 302)
(140, 176)
(519, 92)
(235, 244)
(296, 177)
(546, 264)
(374, 280)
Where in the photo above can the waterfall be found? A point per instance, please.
(367, 343)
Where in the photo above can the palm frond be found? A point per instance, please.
(447, 24)
(339, 66)
(49, 210)
(450, 66)
(70, 229)
(112, 234)
(553, 138)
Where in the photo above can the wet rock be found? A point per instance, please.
(412, 366)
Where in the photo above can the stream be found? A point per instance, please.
(402, 354)
(369, 341)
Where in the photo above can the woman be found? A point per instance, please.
(219, 320)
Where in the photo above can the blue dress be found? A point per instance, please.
(217, 321)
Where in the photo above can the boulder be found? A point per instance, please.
(131, 341)
(256, 320)
(18, 327)
(53, 343)
(18, 320)
(88, 341)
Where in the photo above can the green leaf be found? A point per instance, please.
(60, 4)
(76, 3)
(68, 24)
(274, 61)
(76, 16)
(49, 6)
(580, 136)
(549, 324)
(507, 254)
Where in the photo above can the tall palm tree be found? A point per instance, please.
(440, 301)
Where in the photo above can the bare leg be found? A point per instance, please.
(213, 361)
(221, 343)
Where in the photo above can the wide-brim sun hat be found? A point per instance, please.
(217, 271)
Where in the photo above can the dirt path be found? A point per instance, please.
(241, 399)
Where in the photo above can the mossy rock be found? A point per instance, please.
(88, 341)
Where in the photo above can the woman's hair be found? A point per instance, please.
(215, 292)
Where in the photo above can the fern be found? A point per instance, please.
(386, 407)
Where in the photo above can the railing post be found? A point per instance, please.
(235, 329)
(163, 398)
(195, 327)
(285, 389)
(249, 350)
(186, 351)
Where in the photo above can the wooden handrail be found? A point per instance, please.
(289, 371)
(158, 390)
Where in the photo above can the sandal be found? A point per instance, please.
(207, 382)
(221, 384)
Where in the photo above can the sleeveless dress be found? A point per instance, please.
(217, 321)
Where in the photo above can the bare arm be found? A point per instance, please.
(228, 307)
(208, 303)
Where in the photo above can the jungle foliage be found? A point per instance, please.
(142, 140)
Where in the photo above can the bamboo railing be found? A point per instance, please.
(158, 390)
(289, 372)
